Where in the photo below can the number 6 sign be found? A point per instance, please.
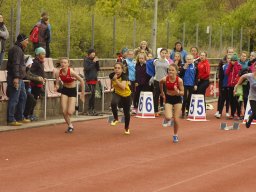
(197, 108)
(146, 105)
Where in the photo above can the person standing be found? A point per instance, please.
(121, 94)
(178, 48)
(203, 74)
(68, 92)
(233, 75)
(161, 68)
(91, 68)
(173, 100)
(251, 77)
(189, 76)
(4, 34)
(16, 72)
(223, 61)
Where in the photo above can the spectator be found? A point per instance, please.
(178, 48)
(244, 62)
(44, 34)
(129, 67)
(31, 101)
(203, 74)
(91, 68)
(233, 75)
(224, 90)
(189, 74)
(15, 85)
(4, 34)
(37, 69)
(252, 61)
(141, 80)
(161, 68)
(230, 52)
(143, 48)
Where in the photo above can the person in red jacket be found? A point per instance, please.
(233, 76)
(203, 73)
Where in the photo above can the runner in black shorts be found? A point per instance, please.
(173, 100)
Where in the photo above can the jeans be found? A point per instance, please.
(17, 101)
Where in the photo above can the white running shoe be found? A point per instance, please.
(217, 113)
(218, 116)
(227, 115)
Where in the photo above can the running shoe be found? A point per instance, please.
(166, 123)
(248, 122)
(127, 132)
(175, 138)
(157, 114)
(69, 130)
(114, 122)
(227, 115)
(218, 116)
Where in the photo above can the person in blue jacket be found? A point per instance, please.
(189, 73)
(178, 48)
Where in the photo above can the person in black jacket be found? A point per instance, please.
(221, 74)
(15, 85)
(91, 68)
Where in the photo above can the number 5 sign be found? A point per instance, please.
(146, 105)
(248, 112)
(197, 108)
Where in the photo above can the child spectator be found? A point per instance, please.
(141, 79)
(224, 89)
(189, 73)
(233, 75)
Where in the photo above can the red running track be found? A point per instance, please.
(98, 157)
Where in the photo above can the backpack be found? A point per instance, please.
(34, 34)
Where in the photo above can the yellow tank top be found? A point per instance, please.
(124, 93)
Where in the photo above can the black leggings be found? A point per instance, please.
(223, 97)
(253, 108)
(126, 104)
(188, 90)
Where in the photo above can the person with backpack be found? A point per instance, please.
(4, 35)
(40, 34)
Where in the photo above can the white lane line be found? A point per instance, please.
(205, 174)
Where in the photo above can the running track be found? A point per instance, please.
(98, 157)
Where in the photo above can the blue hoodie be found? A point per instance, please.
(131, 69)
(190, 75)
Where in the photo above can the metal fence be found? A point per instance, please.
(109, 34)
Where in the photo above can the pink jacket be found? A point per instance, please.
(233, 73)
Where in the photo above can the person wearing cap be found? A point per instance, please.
(4, 34)
(37, 68)
(16, 72)
(91, 68)
(233, 76)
